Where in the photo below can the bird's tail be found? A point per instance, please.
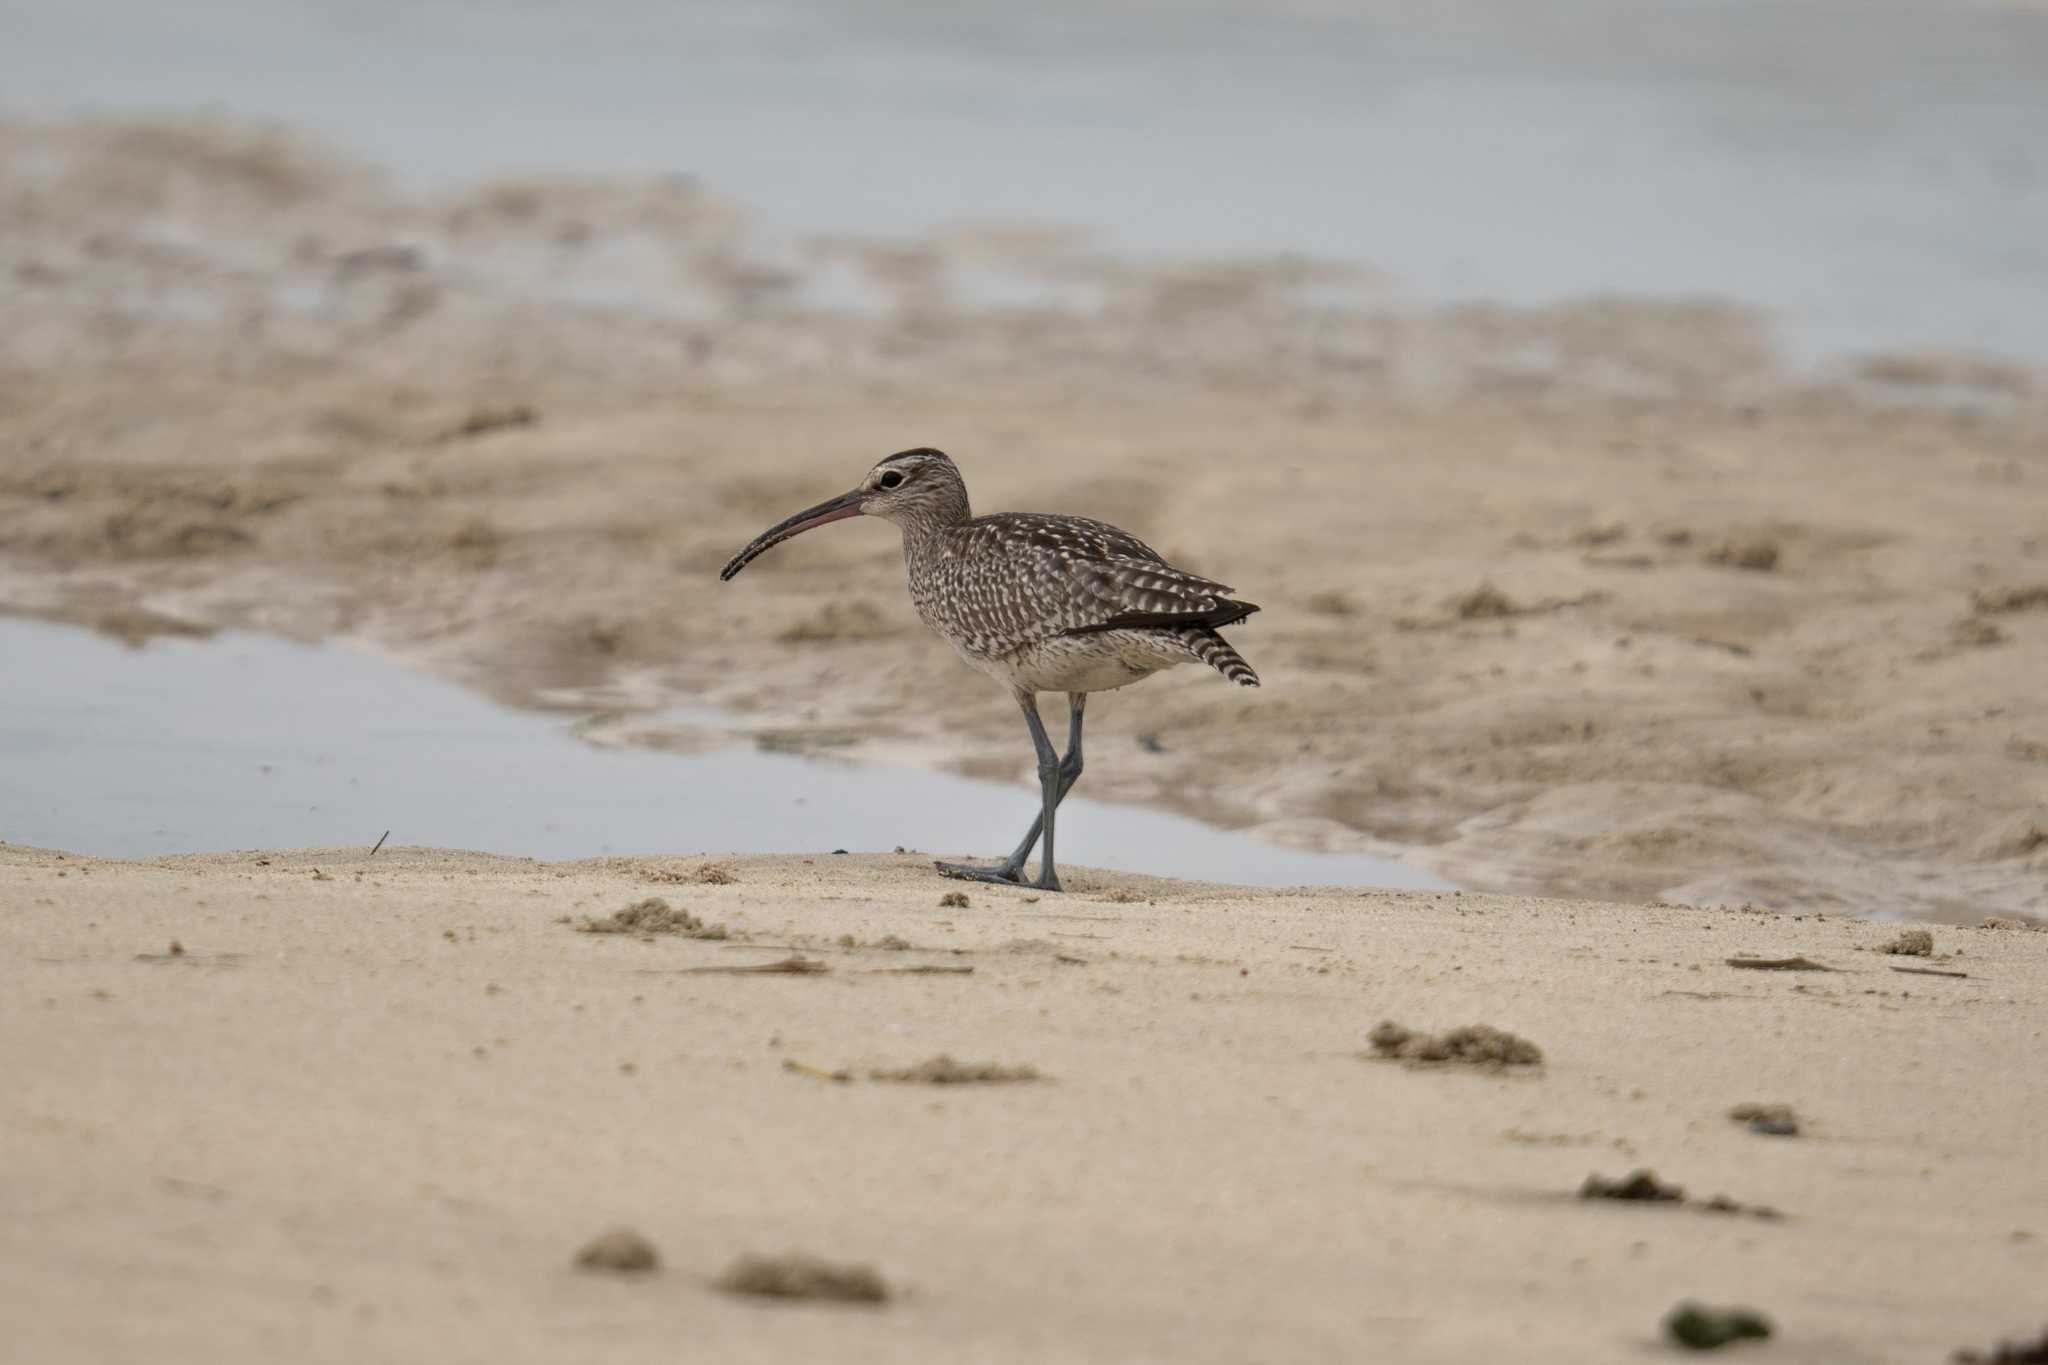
(1213, 650)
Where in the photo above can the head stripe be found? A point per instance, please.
(925, 452)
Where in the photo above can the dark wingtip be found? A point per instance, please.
(1225, 613)
(1230, 612)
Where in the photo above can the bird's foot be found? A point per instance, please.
(1002, 873)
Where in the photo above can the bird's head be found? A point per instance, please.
(910, 487)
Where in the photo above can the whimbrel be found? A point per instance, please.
(1040, 603)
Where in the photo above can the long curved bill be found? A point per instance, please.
(833, 509)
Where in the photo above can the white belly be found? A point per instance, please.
(1098, 662)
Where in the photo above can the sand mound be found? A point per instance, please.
(650, 917)
(1472, 1045)
(795, 1275)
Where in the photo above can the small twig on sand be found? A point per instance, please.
(1927, 971)
(816, 1073)
(1779, 964)
(926, 970)
(380, 842)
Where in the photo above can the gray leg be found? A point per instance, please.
(1048, 792)
(1068, 770)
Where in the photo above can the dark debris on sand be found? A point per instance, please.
(2033, 1352)
(2029, 598)
(943, 1070)
(1699, 1328)
(1771, 1120)
(1643, 1186)
(621, 1250)
(1640, 1186)
(1757, 554)
(796, 964)
(795, 1275)
(1472, 1045)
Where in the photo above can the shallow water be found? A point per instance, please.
(247, 742)
(1877, 175)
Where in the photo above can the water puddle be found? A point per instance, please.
(248, 742)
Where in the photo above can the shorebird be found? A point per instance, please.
(1040, 603)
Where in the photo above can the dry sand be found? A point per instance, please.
(373, 1114)
(1593, 599)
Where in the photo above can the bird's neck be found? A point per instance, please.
(924, 528)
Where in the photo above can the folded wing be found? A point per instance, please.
(1021, 578)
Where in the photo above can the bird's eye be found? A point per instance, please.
(890, 479)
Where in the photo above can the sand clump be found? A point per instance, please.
(1910, 943)
(709, 874)
(1483, 603)
(621, 1250)
(1756, 554)
(796, 1275)
(953, 900)
(891, 943)
(1472, 1045)
(1771, 1120)
(650, 918)
(943, 1070)
(2032, 597)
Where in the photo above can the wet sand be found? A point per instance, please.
(371, 1108)
(1594, 599)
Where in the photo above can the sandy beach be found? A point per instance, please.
(370, 1108)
